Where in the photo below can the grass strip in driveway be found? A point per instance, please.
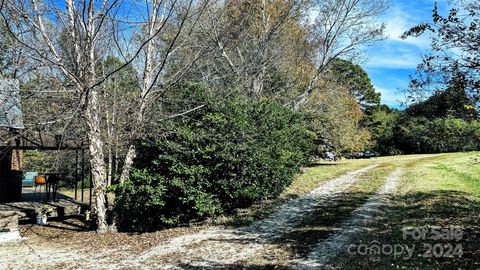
(440, 194)
(312, 178)
(325, 219)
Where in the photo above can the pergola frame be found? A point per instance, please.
(21, 140)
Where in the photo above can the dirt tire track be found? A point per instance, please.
(326, 251)
(217, 247)
(207, 249)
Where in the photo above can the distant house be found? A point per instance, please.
(11, 123)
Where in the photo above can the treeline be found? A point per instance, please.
(242, 139)
(445, 122)
(230, 151)
(234, 151)
(111, 74)
(193, 108)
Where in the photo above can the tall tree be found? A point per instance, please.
(334, 116)
(273, 48)
(356, 80)
(341, 28)
(144, 35)
(455, 39)
(252, 42)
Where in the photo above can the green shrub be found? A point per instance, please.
(226, 155)
(381, 122)
(449, 134)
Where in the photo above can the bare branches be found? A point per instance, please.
(342, 28)
(117, 58)
(74, 42)
(454, 61)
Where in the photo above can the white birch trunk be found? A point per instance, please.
(92, 119)
(147, 81)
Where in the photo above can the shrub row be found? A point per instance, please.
(226, 155)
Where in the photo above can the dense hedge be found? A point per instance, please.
(449, 134)
(226, 155)
(445, 122)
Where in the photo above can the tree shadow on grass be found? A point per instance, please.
(440, 210)
(320, 223)
(415, 210)
(317, 225)
(324, 164)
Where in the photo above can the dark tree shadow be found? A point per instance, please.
(423, 210)
(440, 210)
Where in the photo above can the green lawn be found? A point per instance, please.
(310, 179)
(321, 171)
(436, 193)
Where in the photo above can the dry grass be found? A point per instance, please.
(440, 190)
(71, 193)
(78, 233)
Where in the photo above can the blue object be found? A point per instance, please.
(29, 178)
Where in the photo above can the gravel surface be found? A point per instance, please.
(326, 251)
(218, 247)
(201, 248)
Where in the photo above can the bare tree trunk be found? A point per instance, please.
(147, 84)
(97, 161)
(96, 144)
(258, 81)
(109, 166)
(132, 149)
(89, 26)
(128, 162)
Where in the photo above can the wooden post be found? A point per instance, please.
(76, 173)
(91, 186)
(83, 172)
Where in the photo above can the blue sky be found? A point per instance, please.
(393, 60)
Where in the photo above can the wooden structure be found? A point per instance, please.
(25, 207)
(11, 160)
(15, 138)
(11, 175)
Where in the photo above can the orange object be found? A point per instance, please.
(40, 180)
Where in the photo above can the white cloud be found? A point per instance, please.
(403, 62)
(391, 97)
(395, 55)
(395, 52)
(398, 22)
(393, 60)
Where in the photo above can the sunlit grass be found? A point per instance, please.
(445, 172)
(71, 193)
(441, 190)
(322, 171)
(305, 182)
(313, 177)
